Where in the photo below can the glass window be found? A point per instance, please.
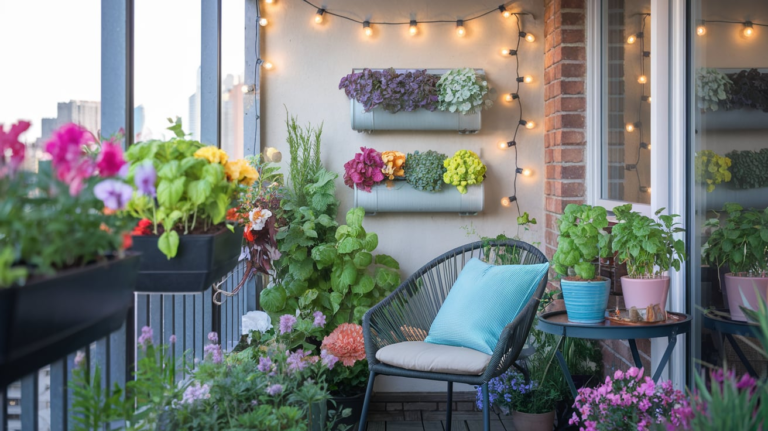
(232, 70)
(625, 118)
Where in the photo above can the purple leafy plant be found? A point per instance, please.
(364, 170)
(393, 91)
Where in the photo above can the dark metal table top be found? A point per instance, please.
(715, 322)
(557, 323)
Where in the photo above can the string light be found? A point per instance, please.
(748, 29)
(527, 172)
(267, 65)
(633, 38)
(630, 127)
(701, 30)
(527, 36)
(269, 1)
(510, 97)
(367, 28)
(460, 30)
(506, 201)
(505, 145)
(644, 98)
(642, 79)
(504, 12)
(530, 125)
(645, 189)
(319, 16)
(508, 51)
(412, 29)
(528, 79)
(263, 22)
(645, 145)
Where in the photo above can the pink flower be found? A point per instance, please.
(635, 372)
(110, 159)
(346, 343)
(172, 339)
(364, 170)
(12, 151)
(618, 375)
(68, 158)
(145, 338)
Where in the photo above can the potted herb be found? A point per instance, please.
(65, 278)
(581, 243)
(649, 249)
(183, 192)
(741, 244)
(464, 169)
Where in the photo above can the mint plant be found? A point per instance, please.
(647, 246)
(741, 242)
(582, 240)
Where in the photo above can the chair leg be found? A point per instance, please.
(523, 371)
(486, 409)
(448, 410)
(367, 402)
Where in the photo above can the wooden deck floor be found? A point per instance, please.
(460, 422)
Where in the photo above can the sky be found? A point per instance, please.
(51, 53)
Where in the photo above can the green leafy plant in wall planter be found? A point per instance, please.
(424, 171)
(740, 243)
(712, 88)
(649, 249)
(582, 241)
(464, 91)
(748, 168)
(711, 169)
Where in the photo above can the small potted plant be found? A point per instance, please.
(394, 162)
(581, 243)
(463, 91)
(649, 249)
(741, 244)
(364, 170)
(65, 277)
(425, 171)
(464, 169)
(183, 192)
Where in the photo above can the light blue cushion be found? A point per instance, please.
(484, 299)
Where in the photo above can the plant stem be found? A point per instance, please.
(194, 220)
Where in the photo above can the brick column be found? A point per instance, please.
(565, 103)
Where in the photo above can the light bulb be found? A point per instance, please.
(530, 38)
(644, 189)
(269, 1)
(319, 16)
(527, 172)
(503, 145)
(642, 79)
(631, 39)
(267, 65)
(508, 97)
(504, 12)
(649, 99)
(263, 22)
(508, 51)
(630, 127)
(506, 201)
(245, 88)
(367, 28)
(530, 124)
(748, 29)
(528, 79)
(412, 29)
(701, 30)
(460, 30)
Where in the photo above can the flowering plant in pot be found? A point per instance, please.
(741, 244)
(365, 170)
(649, 249)
(582, 241)
(61, 241)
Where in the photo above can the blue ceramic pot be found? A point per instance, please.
(586, 301)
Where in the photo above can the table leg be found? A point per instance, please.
(665, 357)
(564, 367)
(741, 355)
(635, 354)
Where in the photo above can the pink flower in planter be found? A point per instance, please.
(68, 158)
(110, 160)
(12, 151)
(364, 170)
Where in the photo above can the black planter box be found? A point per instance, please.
(200, 261)
(47, 319)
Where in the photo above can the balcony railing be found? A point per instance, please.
(43, 401)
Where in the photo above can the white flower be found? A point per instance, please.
(256, 321)
(259, 218)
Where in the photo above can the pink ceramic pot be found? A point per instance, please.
(743, 292)
(533, 422)
(642, 292)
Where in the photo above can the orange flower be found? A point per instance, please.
(127, 241)
(248, 234)
(232, 214)
(393, 164)
(346, 343)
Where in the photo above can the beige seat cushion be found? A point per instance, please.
(435, 358)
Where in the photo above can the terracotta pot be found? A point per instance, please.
(533, 421)
(642, 292)
(742, 292)
(586, 301)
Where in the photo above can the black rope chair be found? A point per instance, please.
(407, 315)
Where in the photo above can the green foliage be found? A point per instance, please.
(712, 169)
(647, 246)
(741, 242)
(464, 169)
(43, 229)
(582, 240)
(462, 90)
(304, 147)
(424, 171)
(712, 88)
(749, 168)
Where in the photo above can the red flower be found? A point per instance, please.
(127, 241)
(142, 228)
(346, 343)
(248, 234)
(232, 214)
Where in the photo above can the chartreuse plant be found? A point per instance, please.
(582, 240)
(424, 171)
(712, 169)
(741, 242)
(464, 169)
(647, 246)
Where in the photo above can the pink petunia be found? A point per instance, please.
(12, 151)
(68, 158)
(110, 159)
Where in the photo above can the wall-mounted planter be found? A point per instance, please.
(737, 119)
(419, 120)
(723, 193)
(399, 197)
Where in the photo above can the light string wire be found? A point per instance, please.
(642, 102)
(520, 115)
(707, 21)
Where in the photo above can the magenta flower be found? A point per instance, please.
(12, 151)
(286, 323)
(319, 319)
(114, 193)
(364, 170)
(144, 177)
(110, 159)
(145, 338)
(68, 158)
(275, 390)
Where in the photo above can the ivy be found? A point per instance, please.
(424, 171)
(741, 242)
(582, 240)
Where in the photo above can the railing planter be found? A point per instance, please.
(399, 196)
(200, 261)
(45, 319)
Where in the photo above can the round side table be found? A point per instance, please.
(557, 323)
(723, 327)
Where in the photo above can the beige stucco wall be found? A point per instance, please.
(309, 60)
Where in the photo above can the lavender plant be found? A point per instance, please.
(393, 91)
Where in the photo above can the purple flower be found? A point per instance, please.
(145, 338)
(296, 360)
(275, 390)
(319, 319)
(213, 351)
(172, 339)
(79, 358)
(746, 382)
(328, 359)
(265, 364)
(114, 193)
(213, 337)
(286, 323)
(195, 392)
(144, 177)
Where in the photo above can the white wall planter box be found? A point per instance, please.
(722, 194)
(419, 120)
(737, 119)
(400, 197)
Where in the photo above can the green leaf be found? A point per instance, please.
(349, 244)
(218, 208)
(169, 192)
(272, 300)
(585, 270)
(358, 313)
(365, 285)
(355, 217)
(303, 269)
(170, 170)
(387, 278)
(213, 172)
(326, 220)
(198, 191)
(388, 261)
(168, 243)
(362, 259)
(348, 274)
(371, 241)
(336, 299)
(172, 218)
(324, 255)
(307, 298)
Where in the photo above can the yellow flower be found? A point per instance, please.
(393, 164)
(240, 171)
(212, 154)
